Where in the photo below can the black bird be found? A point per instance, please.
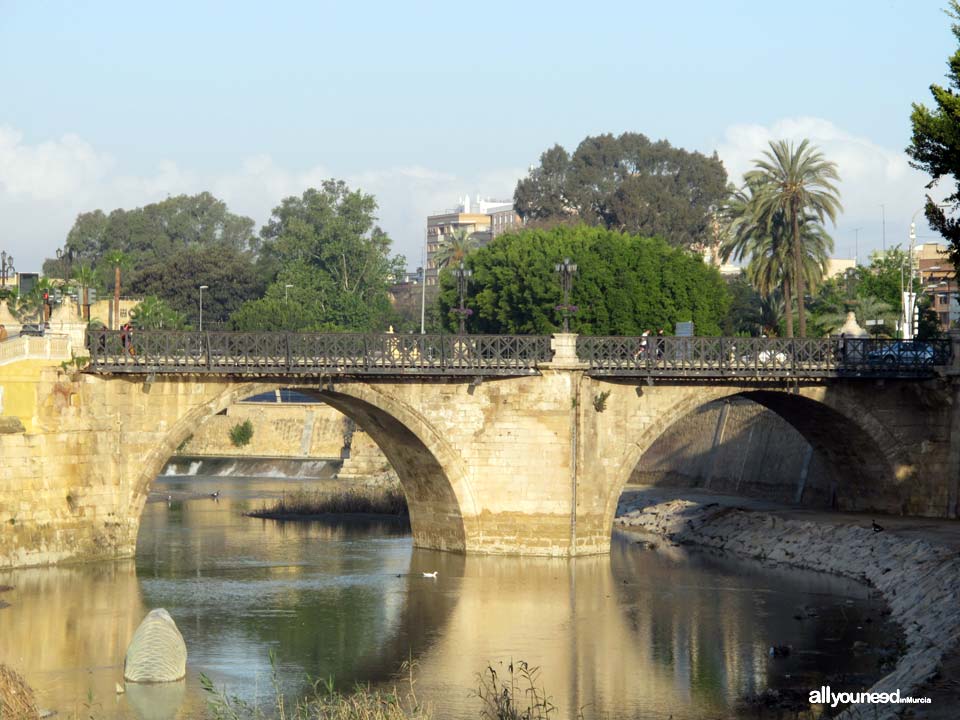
(215, 495)
(876, 528)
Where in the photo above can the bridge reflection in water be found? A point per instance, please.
(634, 634)
(311, 354)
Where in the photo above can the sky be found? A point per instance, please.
(117, 104)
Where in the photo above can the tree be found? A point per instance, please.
(86, 278)
(935, 143)
(796, 181)
(154, 314)
(116, 259)
(327, 246)
(456, 247)
(626, 183)
(624, 284)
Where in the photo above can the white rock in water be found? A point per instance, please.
(157, 652)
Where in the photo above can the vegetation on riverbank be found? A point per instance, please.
(308, 502)
(511, 694)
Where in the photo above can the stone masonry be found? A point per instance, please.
(528, 465)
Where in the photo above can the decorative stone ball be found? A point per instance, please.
(157, 652)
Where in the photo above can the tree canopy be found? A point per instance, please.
(626, 183)
(624, 284)
(170, 248)
(935, 144)
(330, 262)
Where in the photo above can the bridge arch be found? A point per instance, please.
(431, 473)
(867, 462)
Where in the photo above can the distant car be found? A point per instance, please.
(901, 352)
(36, 329)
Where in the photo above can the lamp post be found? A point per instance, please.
(463, 278)
(566, 270)
(202, 288)
(6, 266)
(286, 288)
(68, 256)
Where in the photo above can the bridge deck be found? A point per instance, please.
(325, 354)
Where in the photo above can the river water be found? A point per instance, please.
(662, 633)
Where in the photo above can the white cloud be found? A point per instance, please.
(44, 186)
(871, 176)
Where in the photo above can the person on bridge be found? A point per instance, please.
(661, 343)
(126, 338)
(3, 333)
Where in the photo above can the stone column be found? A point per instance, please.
(564, 346)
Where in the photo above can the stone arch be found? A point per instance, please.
(431, 473)
(867, 460)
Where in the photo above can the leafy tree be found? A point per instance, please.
(935, 143)
(626, 183)
(326, 245)
(230, 273)
(744, 317)
(154, 314)
(798, 182)
(166, 245)
(624, 284)
(456, 247)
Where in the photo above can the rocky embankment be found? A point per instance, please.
(919, 581)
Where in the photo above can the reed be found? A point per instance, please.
(365, 500)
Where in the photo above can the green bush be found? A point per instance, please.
(241, 434)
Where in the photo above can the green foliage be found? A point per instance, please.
(455, 248)
(154, 314)
(327, 247)
(626, 183)
(791, 195)
(168, 249)
(624, 285)
(241, 434)
(935, 144)
(600, 401)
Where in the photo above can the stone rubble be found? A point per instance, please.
(919, 581)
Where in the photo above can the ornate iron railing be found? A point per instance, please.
(270, 353)
(653, 356)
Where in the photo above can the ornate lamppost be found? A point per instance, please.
(566, 270)
(65, 268)
(463, 279)
(202, 288)
(6, 266)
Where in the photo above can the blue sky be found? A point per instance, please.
(119, 104)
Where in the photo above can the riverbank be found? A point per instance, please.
(919, 579)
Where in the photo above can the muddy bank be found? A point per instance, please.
(920, 581)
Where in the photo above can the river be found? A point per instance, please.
(661, 633)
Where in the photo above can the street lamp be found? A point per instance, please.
(202, 288)
(6, 266)
(68, 255)
(285, 289)
(463, 279)
(566, 270)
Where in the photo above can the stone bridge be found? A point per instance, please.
(530, 462)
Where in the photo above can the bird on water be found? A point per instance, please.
(431, 575)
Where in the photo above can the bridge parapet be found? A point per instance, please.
(324, 354)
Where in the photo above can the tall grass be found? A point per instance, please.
(372, 500)
(323, 703)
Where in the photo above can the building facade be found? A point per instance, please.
(483, 219)
(938, 281)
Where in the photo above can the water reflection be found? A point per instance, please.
(638, 634)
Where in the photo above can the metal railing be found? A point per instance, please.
(692, 357)
(315, 353)
(268, 353)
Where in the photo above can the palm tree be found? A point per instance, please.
(798, 182)
(116, 259)
(85, 277)
(154, 314)
(455, 247)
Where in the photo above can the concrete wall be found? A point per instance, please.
(738, 446)
(279, 430)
